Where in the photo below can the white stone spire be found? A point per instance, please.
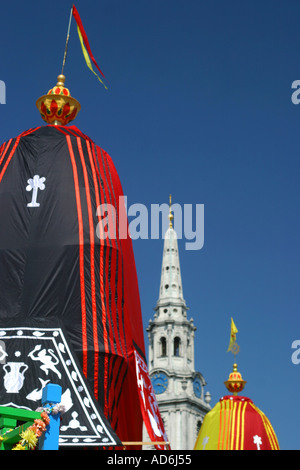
(170, 282)
(179, 388)
(173, 331)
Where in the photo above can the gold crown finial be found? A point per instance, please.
(235, 382)
(171, 217)
(58, 107)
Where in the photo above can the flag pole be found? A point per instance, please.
(67, 41)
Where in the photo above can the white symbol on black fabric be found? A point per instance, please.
(46, 360)
(66, 400)
(3, 353)
(74, 423)
(34, 184)
(257, 440)
(14, 376)
(36, 394)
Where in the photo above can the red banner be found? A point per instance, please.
(149, 406)
(84, 37)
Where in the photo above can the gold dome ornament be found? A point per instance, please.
(58, 107)
(235, 382)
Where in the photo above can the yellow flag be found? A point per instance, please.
(233, 332)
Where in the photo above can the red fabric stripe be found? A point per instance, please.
(92, 263)
(103, 272)
(103, 306)
(81, 255)
(13, 150)
(109, 285)
(105, 198)
(9, 157)
(5, 151)
(29, 131)
(118, 190)
(84, 37)
(120, 370)
(97, 191)
(115, 254)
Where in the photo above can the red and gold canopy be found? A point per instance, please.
(235, 423)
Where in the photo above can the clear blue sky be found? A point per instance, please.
(199, 105)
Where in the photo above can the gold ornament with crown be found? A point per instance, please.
(235, 382)
(58, 106)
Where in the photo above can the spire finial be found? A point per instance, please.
(58, 107)
(171, 217)
(235, 382)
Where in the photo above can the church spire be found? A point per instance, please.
(170, 282)
(178, 386)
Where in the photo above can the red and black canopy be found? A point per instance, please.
(53, 265)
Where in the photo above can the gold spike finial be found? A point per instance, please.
(171, 217)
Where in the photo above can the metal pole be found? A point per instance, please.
(67, 41)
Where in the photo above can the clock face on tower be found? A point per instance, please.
(197, 388)
(159, 382)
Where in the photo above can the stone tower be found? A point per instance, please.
(179, 388)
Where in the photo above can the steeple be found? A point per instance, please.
(175, 331)
(178, 386)
(170, 282)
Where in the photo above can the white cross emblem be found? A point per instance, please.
(34, 184)
(204, 442)
(257, 440)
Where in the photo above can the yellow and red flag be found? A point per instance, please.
(232, 343)
(87, 53)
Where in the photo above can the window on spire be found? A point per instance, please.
(163, 346)
(177, 343)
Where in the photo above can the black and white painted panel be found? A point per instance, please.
(31, 357)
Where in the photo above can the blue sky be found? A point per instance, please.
(199, 106)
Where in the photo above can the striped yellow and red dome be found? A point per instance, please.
(235, 423)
